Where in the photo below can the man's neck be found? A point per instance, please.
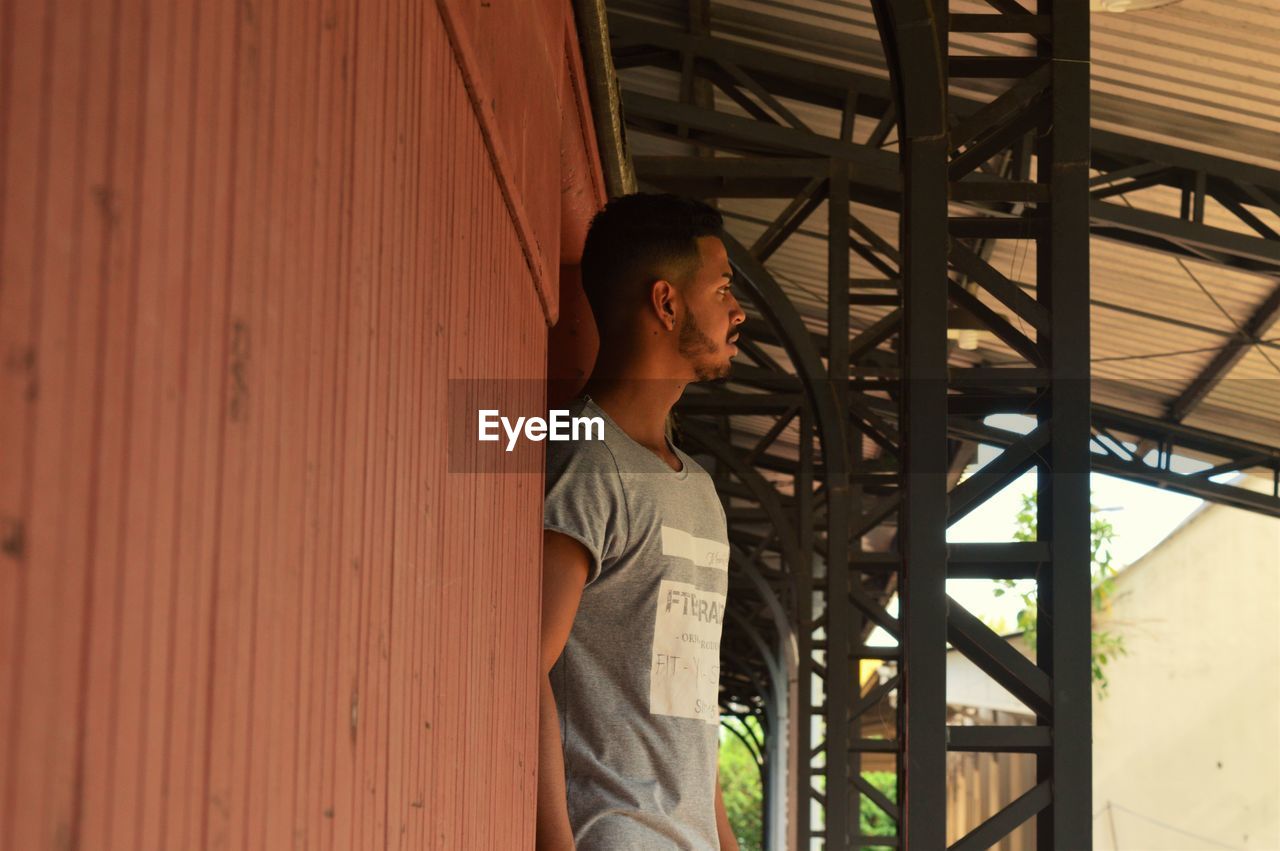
(640, 406)
(636, 398)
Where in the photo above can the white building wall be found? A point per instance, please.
(1187, 743)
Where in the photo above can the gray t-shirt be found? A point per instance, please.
(637, 685)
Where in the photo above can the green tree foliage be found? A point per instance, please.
(744, 794)
(873, 820)
(740, 782)
(1105, 645)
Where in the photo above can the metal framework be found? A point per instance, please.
(840, 490)
(775, 158)
(1040, 114)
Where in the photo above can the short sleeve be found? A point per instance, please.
(585, 500)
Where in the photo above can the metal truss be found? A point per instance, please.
(775, 158)
(1117, 442)
(1123, 164)
(840, 463)
(1043, 112)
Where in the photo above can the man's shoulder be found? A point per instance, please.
(579, 456)
(582, 451)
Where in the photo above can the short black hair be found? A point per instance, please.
(636, 240)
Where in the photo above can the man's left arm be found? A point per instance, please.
(728, 842)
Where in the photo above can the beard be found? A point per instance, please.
(699, 350)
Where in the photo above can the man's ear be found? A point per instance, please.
(662, 300)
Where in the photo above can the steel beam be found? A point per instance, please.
(910, 27)
(1253, 329)
(1153, 230)
(1242, 455)
(824, 85)
(1160, 432)
(841, 819)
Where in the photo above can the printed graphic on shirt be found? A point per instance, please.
(684, 678)
(703, 552)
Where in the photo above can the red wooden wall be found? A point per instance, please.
(244, 603)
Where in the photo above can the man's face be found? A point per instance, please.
(712, 314)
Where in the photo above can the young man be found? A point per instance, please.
(635, 552)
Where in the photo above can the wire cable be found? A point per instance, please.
(1158, 823)
(1250, 340)
(1114, 358)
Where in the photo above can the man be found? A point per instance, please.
(635, 550)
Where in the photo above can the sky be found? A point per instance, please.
(1141, 515)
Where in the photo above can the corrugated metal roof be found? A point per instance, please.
(1201, 75)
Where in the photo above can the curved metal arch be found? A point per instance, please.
(783, 667)
(826, 405)
(818, 390)
(744, 668)
(784, 626)
(787, 658)
(764, 493)
(771, 663)
(750, 746)
(909, 28)
(793, 558)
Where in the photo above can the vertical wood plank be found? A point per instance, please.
(244, 603)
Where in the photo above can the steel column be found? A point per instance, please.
(910, 28)
(1062, 286)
